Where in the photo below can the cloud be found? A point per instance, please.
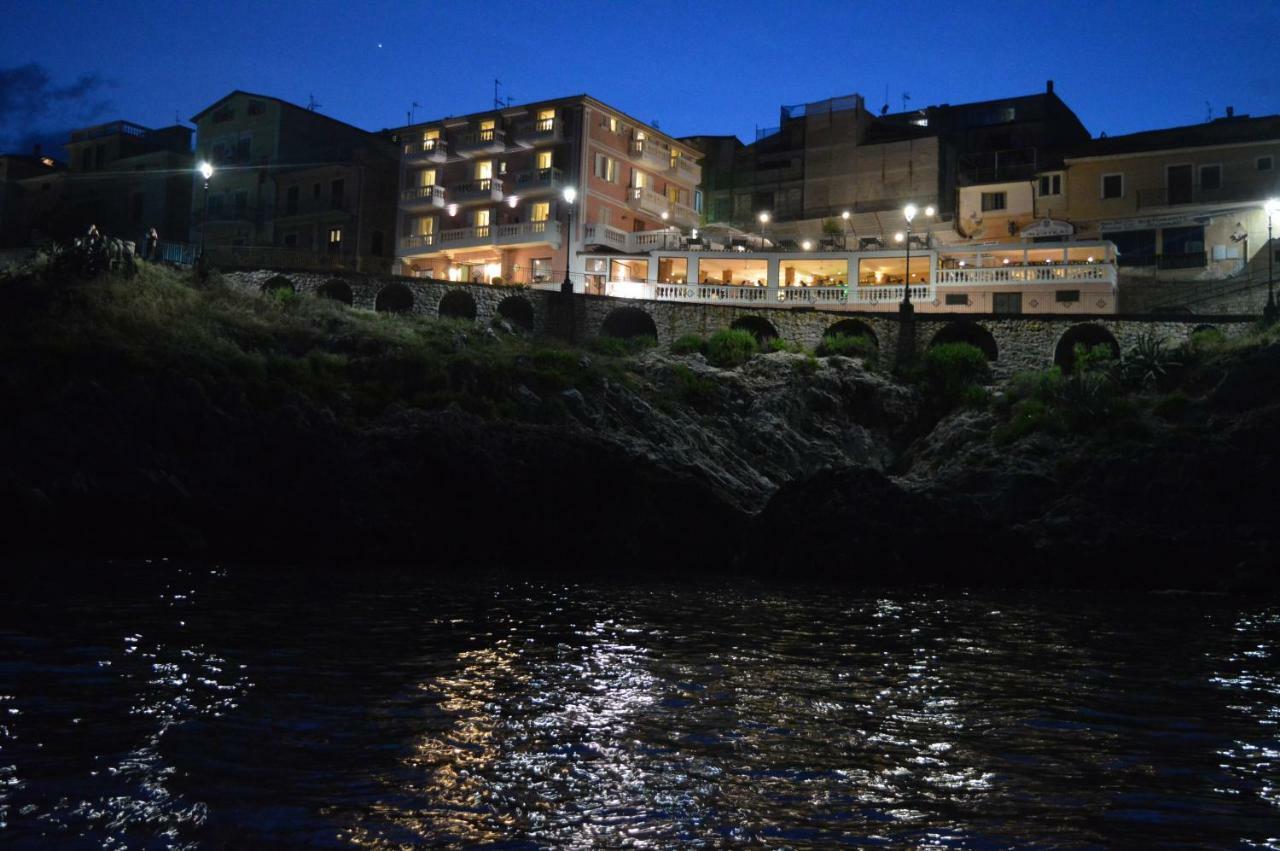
(33, 107)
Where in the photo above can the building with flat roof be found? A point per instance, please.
(482, 196)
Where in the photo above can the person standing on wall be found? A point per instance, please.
(151, 249)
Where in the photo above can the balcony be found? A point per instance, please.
(430, 151)
(485, 189)
(686, 170)
(1056, 274)
(542, 179)
(647, 201)
(483, 236)
(422, 197)
(649, 154)
(541, 132)
(1253, 190)
(684, 215)
(480, 142)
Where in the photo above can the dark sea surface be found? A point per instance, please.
(171, 706)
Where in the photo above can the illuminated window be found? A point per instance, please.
(614, 126)
(606, 168)
(541, 269)
(640, 180)
(487, 128)
(540, 211)
(484, 169)
(480, 220)
(335, 239)
(430, 135)
(673, 270)
(673, 194)
(544, 160)
(427, 177)
(424, 226)
(546, 119)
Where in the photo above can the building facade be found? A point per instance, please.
(23, 177)
(482, 196)
(292, 183)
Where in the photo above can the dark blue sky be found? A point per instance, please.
(696, 67)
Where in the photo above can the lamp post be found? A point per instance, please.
(844, 214)
(909, 213)
(764, 220)
(1269, 312)
(570, 195)
(206, 171)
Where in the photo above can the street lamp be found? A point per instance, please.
(764, 220)
(909, 213)
(1269, 312)
(844, 214)
(206, 171)
(570, 195)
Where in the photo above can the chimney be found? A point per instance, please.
(1048, 86)
(1231, 111)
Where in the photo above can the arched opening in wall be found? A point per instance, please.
(967, 332)
(457, 304)
(336, 290)
(853, 328)
(759, 327)
(278, 285)
(394, 298)
(1210, 329)
(629, 322)
(518, 311)
(1087, 335)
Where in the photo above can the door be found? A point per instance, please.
(1178, 180)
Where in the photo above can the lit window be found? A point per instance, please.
(428, 177)
(335, 236)
(607, 168)
(546, 119)
(484, 169)
(544, 160)
(540, 211)
(1113, 186)
(424, 226)
(614, 127)
(640, 180)
(480, 219)
(541, 269)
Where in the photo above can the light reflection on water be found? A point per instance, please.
(188, 709)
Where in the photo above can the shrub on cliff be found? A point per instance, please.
(620, 347)
(689, 344)
(849, 346)
(730, 347)
(953, 370)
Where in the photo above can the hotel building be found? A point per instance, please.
(482, 196)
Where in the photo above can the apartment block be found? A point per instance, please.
(292, 183)
(482, 196)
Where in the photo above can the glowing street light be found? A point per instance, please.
(570, 195)
(909, 213)
(206, 171)
(806, 245)
(764, 220)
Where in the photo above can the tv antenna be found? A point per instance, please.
(497, 101)
(312, 103)
(906, 96)
(412, 107)
(885, 109)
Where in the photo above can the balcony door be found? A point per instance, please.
(1178, 181)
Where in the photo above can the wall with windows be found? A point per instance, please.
(996, 210)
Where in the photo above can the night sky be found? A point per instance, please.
(695, 67)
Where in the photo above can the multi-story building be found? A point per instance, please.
(482, 195)
(121, 176)
(315, 189)
(833, 169)
(21, 176)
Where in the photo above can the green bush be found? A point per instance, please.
(620, 347)
(777, 344)
(848, 345)
(731, 347)
(692, 389)
(951, 369)
(688, 344)
(1149, 363)
(1097, 358)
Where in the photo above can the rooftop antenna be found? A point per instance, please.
(412, 108)
(497, 101)
(655, 124)
(884, 109)
(509, 100)
(1208, 112)
(906, 96)
(312, 103)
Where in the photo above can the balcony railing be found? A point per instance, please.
(1189, 260)
(422, 196)
(485, 189)
(430, 150)
(1254, 190)
(685, 169)
(647, 201)
(542, 178)
(481, 142)
(1083, 273)
(541, 131)
(650, 154)
(683, 214)
(484, 235)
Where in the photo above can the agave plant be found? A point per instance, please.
(1149, 362)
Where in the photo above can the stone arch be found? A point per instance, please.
(518, 311)
(967, 332)
(457, 304)
(759, 327)
(394, 298)
(1088, 333)
(1204, 327)
(337, 290)
(627, 322)
(853, 328)
(276, 283)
